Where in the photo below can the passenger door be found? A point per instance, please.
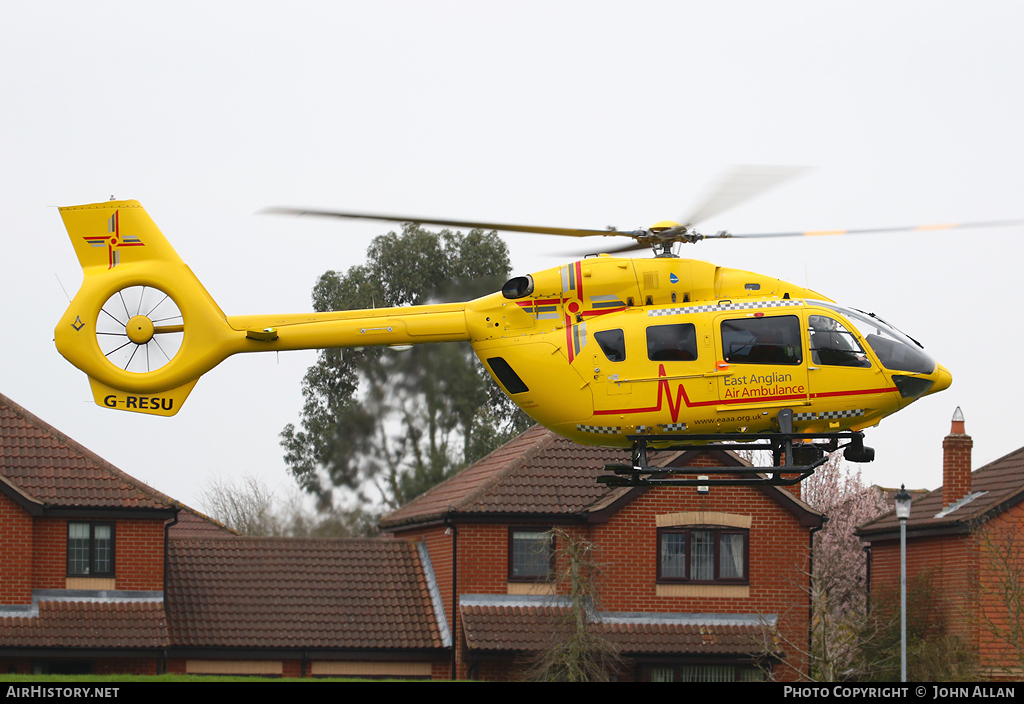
(764, 355)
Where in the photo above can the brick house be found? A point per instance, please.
(966, 538)
(101, 573)
(694, 585)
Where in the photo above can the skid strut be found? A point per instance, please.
(792, 462)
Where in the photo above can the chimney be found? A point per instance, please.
(956, 462)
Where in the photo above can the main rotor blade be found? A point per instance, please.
(869, 230)
(741, 184)
(634, 247)
(569, 232)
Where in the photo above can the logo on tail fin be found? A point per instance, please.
(114, 240)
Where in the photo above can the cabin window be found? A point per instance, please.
(703, 555)
(613, 344)
(90, 549)
(531, 553)
(832, 344)
(507, 376)
(762, 340)
(672, 343)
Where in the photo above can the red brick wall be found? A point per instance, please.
(176, 666)
(1001, 562)
(49, 550)
(126, 666)
(19, 666)
(293, 668)
(440, 670)
(15, 553)
(949, 563)
(138, 554)
(101, 666)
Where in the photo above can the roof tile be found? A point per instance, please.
(85, 624)
(1002, 481)
(531, 628)
(42, 463)
(538, 472)
(296, 592)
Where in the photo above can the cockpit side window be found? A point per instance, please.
(833, 345)
(672, 343)
(613, 344)
(895, 350)
(773, 340)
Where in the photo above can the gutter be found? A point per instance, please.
(810, 593)
(167, 571)
(455, 590)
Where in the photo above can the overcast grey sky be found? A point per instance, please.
(580, 114)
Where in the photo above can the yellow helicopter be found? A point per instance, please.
(606, 350)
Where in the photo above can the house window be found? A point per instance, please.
(703, 555)
(702, 673)
(90, 549)
(530, 554)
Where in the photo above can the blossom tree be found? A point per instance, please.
(838, 569)
(834, 568)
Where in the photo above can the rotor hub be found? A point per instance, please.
(139, 329)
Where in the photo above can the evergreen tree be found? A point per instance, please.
(401, 421)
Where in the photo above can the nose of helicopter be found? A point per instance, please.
(942, 379)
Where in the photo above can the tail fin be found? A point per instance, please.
(144, 329)
(141, 326)
(115, 233)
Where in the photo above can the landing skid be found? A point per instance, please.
(792, 463)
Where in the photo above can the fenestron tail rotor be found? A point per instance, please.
(140, 329)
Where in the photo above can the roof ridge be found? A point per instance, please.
(205, 517)
(88, 454)
(19, 490)
(530, 450)
(543, 442)
(991, 465)
(242, 539)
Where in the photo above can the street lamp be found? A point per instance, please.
(903, 513)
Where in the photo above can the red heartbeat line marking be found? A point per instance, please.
(681, 399)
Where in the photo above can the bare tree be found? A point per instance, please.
(999, 589)
(246, 506)
(251, 508)
(578, 650)
(935, 653)
(839, 579)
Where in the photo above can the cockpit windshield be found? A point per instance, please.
(895, 350)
